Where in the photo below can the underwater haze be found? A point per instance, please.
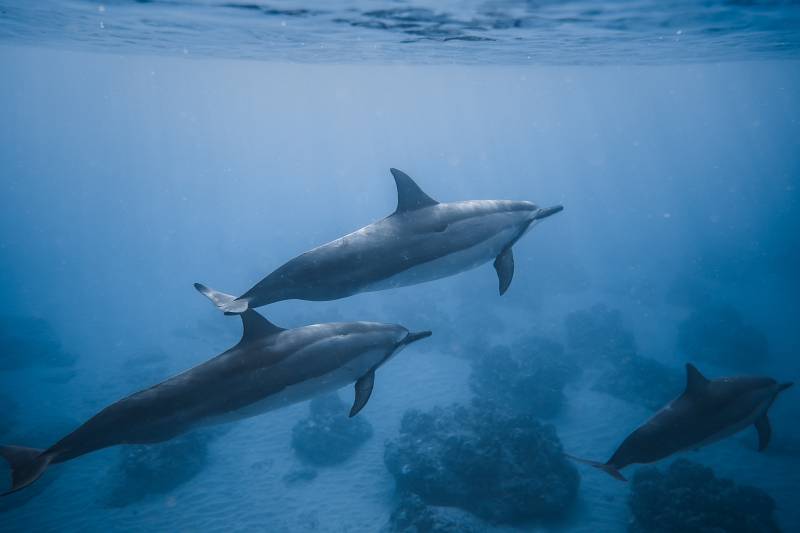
(145, 146)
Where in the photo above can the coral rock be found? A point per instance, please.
(502, 468)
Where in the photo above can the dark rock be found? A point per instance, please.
(529, 378)
(327, 436)
(502, 468)
(598, 338)
(27, 342)
(641, 380)
(719, 335)
(690, 499)
(598, 334)
(412, 515)
(147, 470)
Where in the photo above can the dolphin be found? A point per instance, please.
(421, 241)
(707, 411)
(269, 368)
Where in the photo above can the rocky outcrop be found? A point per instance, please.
(688, 497)
(327, 436)
(526, 378)
(502, 468)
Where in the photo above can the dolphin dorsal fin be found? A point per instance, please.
(409, 195)
(256, 326)
(695, 381)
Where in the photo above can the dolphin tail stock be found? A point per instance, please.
(27, 465)
(611, 470)
(227, 303)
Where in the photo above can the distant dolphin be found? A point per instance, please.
(707, 411)
(269, 368)
(422, 240)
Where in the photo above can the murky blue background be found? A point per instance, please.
(146, 147)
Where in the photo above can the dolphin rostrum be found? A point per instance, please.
(707, 411)
(422, 240)
(269, 368)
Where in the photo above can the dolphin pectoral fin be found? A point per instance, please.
(27, 465)
(227, 303)
(504, 265)
(363, 392)
(764, 432)
(409, 195)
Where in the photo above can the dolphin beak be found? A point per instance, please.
(547, 211)
(783, 386)
(414, 337)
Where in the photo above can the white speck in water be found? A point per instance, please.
(102, 25)
(101, 8)
(283, 23)
(667, 215)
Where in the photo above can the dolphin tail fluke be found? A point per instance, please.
(27, 465)
(227, 303)
(611, 470)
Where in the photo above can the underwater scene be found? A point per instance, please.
(400, 266)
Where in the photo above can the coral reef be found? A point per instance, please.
(598, 334)
(598, 338)
(502, 468)
(529, 378)
(145, 470)
(327, 436)
(27, 342)
(688, 497)
(642, 380)
(412, 515)
(719, 335)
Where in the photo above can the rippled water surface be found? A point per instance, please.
(148, 145)
(450, 31)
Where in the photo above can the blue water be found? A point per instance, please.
(145, 146)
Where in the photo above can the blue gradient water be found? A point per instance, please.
(146, 146)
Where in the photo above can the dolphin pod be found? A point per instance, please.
(269, 368)
(272, 367)
(706, 412)
(423, 240)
